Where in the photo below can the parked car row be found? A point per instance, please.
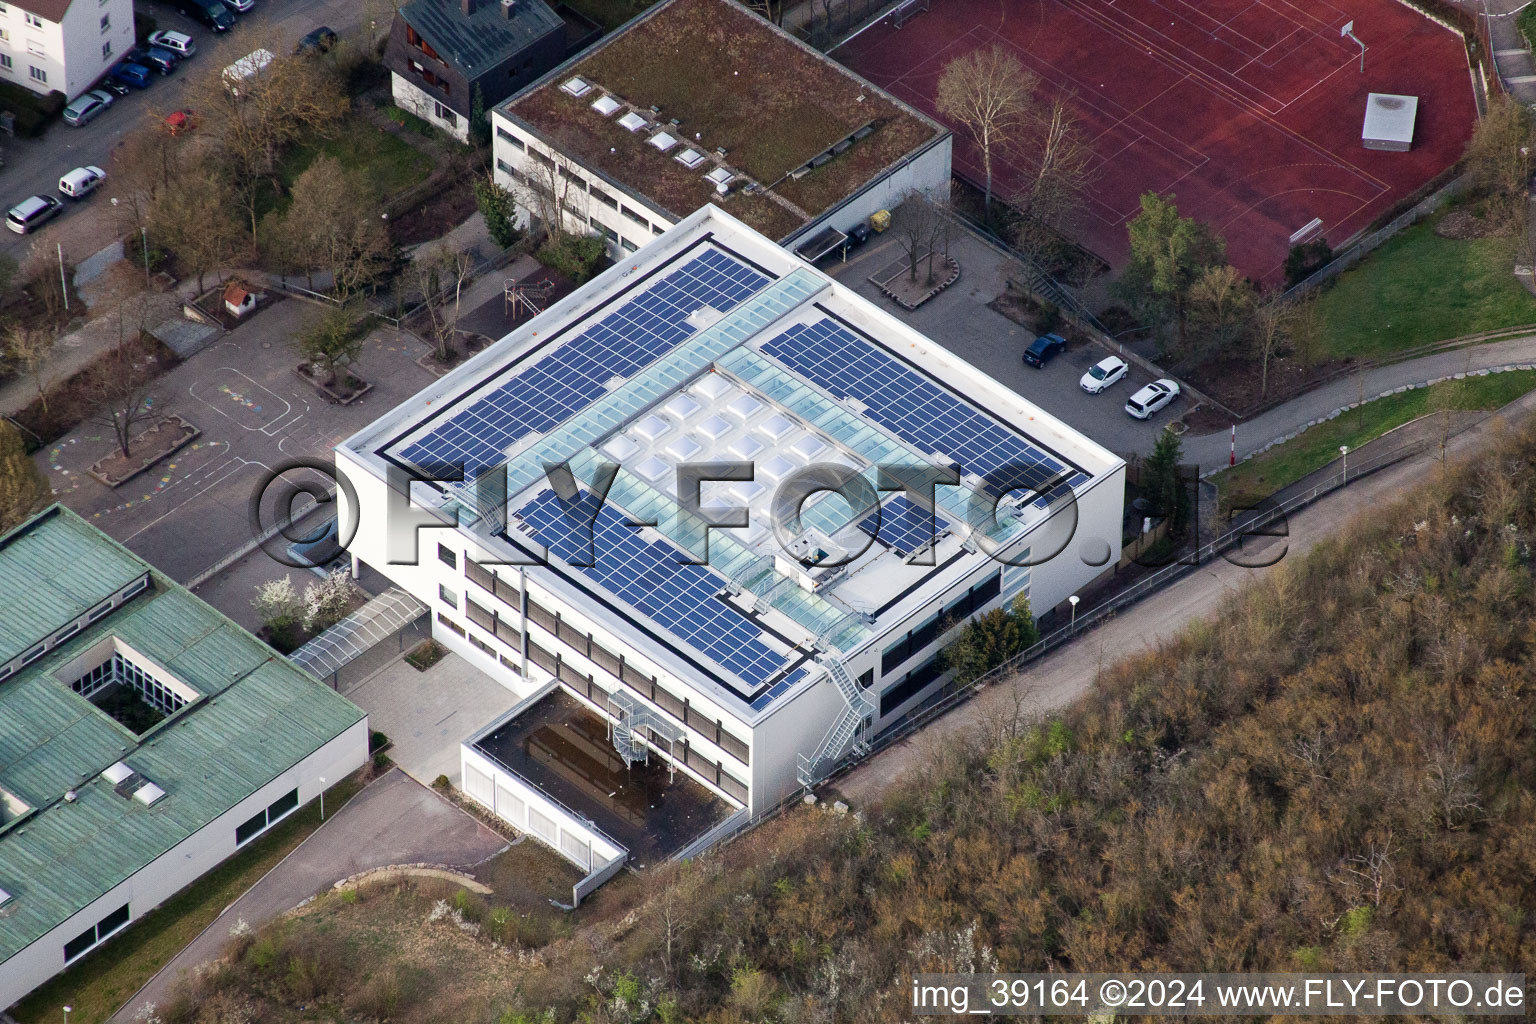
(35, 211)
(1106, 372)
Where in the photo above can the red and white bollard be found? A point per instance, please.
(1232, 461)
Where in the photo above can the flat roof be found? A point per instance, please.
(563, 750)
(732, 81)
(249, 715)
(714, 344)
(1390, 118)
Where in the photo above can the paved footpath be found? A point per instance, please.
(393, 821)
(1072, 671)
(1212, 450)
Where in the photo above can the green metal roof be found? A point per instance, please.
(47, 580)
(257, 715)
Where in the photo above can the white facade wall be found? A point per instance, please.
(927, 172)
(184, 863)
(527, 809)
(429, 574)
(69, 55)
(409, 96)
(585, 213)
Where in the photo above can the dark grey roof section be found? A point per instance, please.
(486, 36)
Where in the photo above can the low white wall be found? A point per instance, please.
(521, 805)
(183, 864)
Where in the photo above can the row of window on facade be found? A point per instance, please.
(582, 643)
(713, 772)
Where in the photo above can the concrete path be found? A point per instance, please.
(392, 821)
(1211, 451)
(1072, 671)
(427, 714)
(1510, 55)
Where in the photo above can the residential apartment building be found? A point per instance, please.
(442, 52)
(744, 661)
(662, 117)
(63, 45)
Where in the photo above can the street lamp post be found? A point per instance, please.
(1073, 602)
(1344, 454)
(66, 1013)
(322, 807)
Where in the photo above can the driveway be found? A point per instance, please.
(961, 320)
(392, 821)
(1072, 671)
(1212, 451)
(34, 165)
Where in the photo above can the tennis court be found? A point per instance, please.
(1248, 110)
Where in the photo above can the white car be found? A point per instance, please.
(1152, 398)
(178, 43)
(1102, 374)
(81, 182)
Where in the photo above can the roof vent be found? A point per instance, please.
(117, 773)
(149, 794)
(70, 796)
(507, 7)
(576, 86)
(5, 897)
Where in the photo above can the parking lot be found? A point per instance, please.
(33, 166)
(961, 320)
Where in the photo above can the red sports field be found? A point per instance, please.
(1248, 110)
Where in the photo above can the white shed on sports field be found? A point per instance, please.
(1389, 122)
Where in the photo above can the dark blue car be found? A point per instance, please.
(1043, 348)
(135, 75)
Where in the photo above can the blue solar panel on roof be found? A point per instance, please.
(573, 376)
(904, 526)
(908, 404)
(649, 576)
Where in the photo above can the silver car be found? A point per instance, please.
(87, 107)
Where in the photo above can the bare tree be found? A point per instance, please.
(549, 193)
(1273, 319)
(920, 229)
(442, 275)
(991, 95)
(331, 225)
(289, 100)
(31, 349)
(122, 398)
(1060, 164)
(196, 218)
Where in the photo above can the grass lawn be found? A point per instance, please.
(1248, 482)
(109, 976)
(1420, 288)
(387, 162)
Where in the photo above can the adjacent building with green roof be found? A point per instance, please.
(144, 737)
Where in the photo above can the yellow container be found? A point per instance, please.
(880, 220)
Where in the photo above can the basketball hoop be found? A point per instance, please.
(1348, 32)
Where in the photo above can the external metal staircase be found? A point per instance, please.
(847, 729)
(630, 720)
